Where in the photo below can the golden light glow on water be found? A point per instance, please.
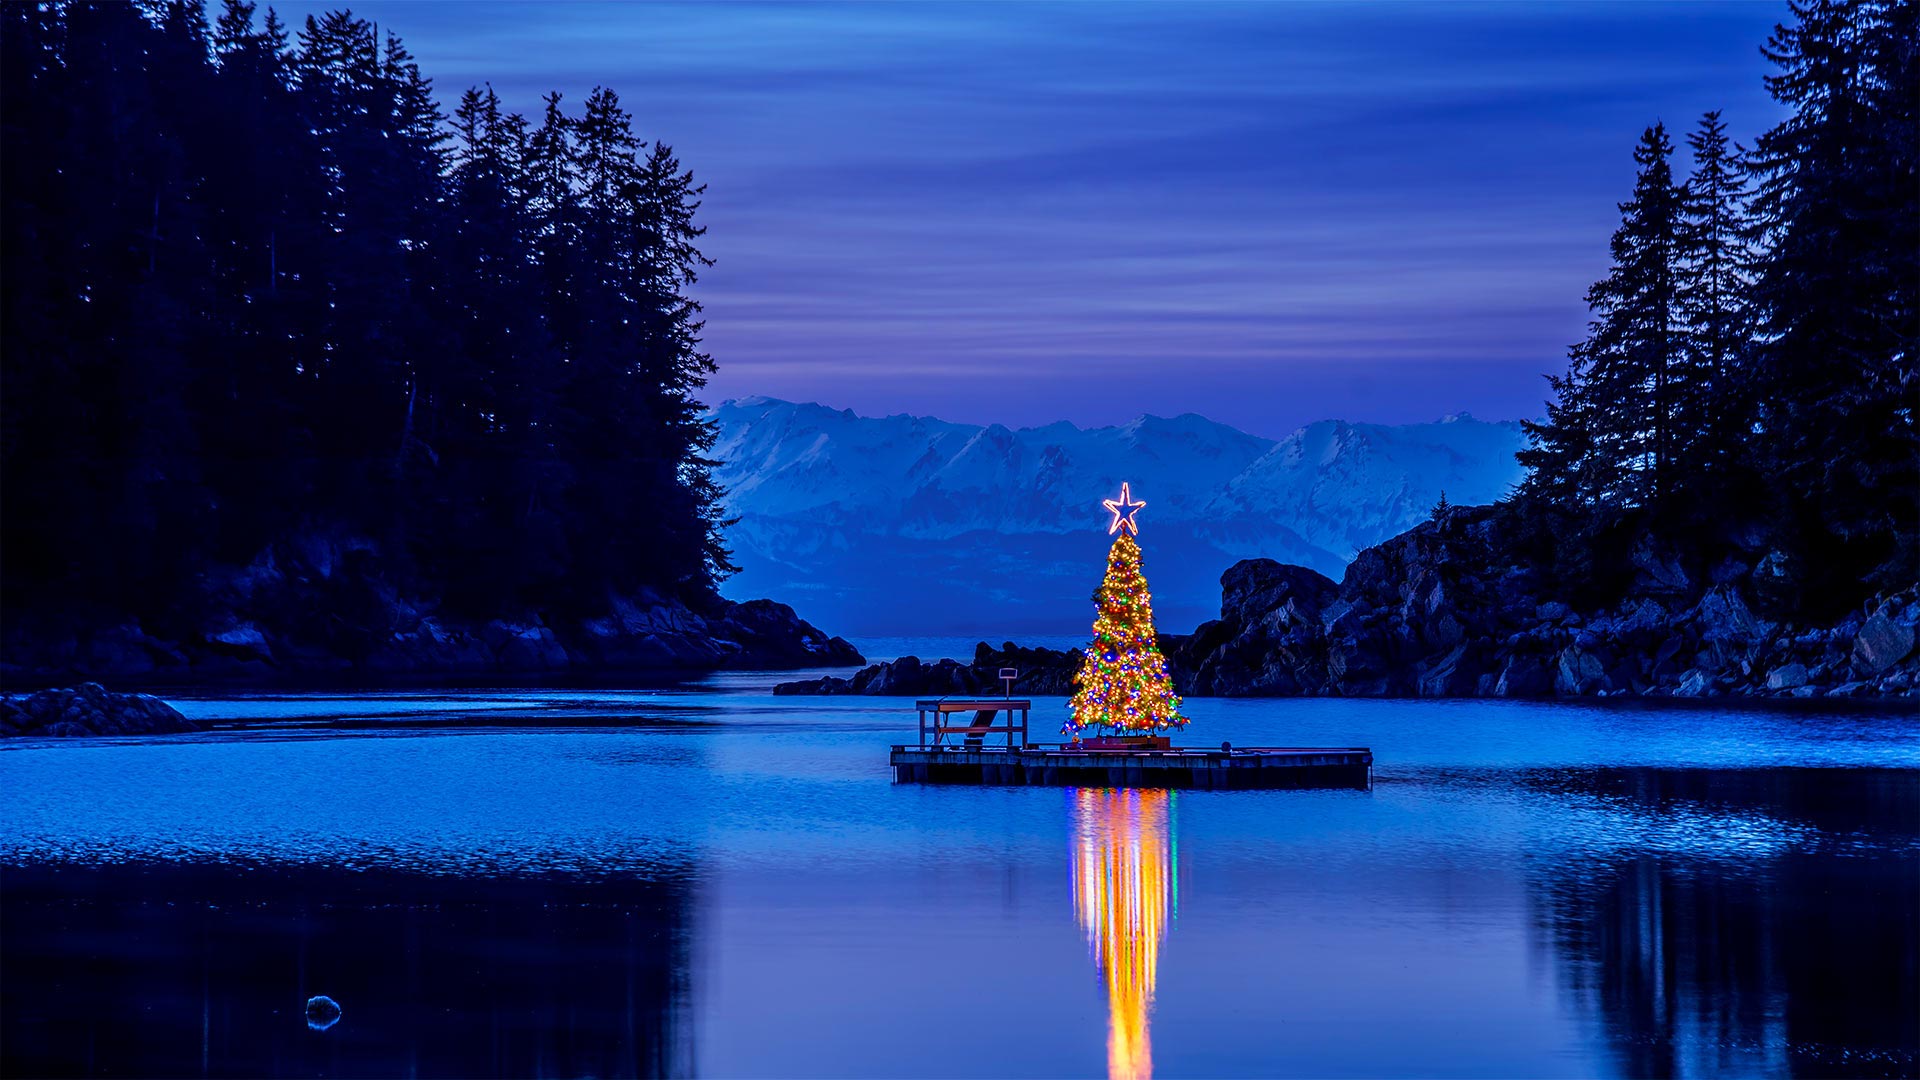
(1125, 893)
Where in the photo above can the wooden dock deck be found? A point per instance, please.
(1208, 770)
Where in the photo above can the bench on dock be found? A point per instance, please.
(936, 720)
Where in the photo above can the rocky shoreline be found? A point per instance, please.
(89, 709)
(1444, 610)
(644, 638)
(1043, 672)
(316, 610)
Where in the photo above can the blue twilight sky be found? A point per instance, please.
(1265, 213)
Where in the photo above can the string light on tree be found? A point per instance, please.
(1123, 685)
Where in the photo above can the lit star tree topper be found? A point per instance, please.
(1123, 510)
(1123, 685)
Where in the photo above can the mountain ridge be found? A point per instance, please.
(1000, 529)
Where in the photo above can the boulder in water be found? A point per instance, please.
(89, 709)
(322, 1012)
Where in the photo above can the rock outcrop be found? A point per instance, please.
(1447, 609)
(312, 612)
(89, 709)
(1042, 672)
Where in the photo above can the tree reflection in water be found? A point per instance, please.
(1124, 892)
(1742, 922)
(206, 969)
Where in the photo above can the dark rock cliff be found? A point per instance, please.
(1453, 607)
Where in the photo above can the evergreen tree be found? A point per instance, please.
(1835, 289)
(669, 263)
(1616, 431)
(1562, 466)
(551, 167)
(1713, 284)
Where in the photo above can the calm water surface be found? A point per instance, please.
(712, 880)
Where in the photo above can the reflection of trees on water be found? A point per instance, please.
(1703, 952)
(206, 970)
(1124, 893)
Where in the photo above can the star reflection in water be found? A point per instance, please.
(1125, 894)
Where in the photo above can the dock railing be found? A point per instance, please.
(936, 725)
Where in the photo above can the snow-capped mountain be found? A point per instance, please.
(914, 525)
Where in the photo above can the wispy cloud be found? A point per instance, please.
(1265, 213)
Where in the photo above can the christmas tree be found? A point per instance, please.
(1123, 685)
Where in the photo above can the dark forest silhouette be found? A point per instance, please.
(296, 363)
(1751, 358)
(256, 285)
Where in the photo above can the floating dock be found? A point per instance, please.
(1238, 769)
(967, 760)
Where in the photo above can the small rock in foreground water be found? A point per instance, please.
(322, 1012)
